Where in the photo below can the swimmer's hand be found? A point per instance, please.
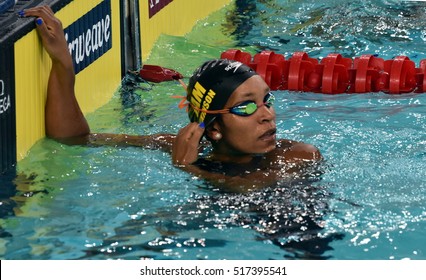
(51, 33)
(186, 144)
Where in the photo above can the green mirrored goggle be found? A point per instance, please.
(248, 108)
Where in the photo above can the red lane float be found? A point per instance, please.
(301, 67)
(401, 75)
(237, 55)
(270, 67)
(335, 74)
(367, 75)
(421, 76)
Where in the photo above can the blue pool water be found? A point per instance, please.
(129, 203)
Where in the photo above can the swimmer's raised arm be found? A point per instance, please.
(64, 119)
(63, 116)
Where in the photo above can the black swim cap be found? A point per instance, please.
(212, 84)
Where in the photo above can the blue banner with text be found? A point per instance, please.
(90, 36)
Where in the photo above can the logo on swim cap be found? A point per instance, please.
(233, 65)
(212, 84)
(201, 99)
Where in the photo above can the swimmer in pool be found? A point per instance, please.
(228, 103)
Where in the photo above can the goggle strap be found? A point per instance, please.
(182, 83)
(223, 111)
(182, 103)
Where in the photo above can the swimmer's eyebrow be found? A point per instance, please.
(251, 94)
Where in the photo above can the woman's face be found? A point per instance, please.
(253, 134)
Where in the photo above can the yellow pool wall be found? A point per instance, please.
(177, 18)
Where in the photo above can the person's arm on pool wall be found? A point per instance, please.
(63, 116)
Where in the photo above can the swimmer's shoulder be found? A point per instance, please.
(295, 150)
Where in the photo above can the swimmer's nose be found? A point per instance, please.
(266, 114)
